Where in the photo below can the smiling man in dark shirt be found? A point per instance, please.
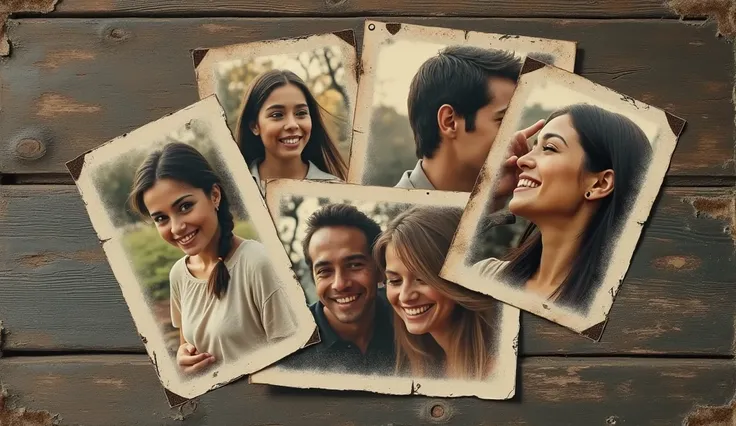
(352, 313)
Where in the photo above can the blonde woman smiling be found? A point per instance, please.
(441, 329)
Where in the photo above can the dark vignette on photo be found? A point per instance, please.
(151, 258)
(314, 359)
(520, 242)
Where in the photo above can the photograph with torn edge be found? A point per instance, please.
(387, 322)
(555, 217)
(195, 252)
(430, 123)
(289, 102)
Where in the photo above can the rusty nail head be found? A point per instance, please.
(438, 411)
(30, 149)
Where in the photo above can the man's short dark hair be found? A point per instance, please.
(457, 76)
(340, 215)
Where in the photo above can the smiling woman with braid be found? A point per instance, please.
(226, 299)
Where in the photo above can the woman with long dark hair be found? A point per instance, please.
(281, 133)
(441, 329)
(576, 186)
(226, 298)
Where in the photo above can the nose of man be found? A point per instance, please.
(341, 281)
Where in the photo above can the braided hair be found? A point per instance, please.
(183, 163)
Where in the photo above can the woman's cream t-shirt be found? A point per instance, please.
(254, 311)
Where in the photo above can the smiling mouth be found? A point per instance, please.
(415, 312)
(187, 238)
(291, 140)
(527, 183)
(347, 299)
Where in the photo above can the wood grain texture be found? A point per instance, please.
(102, 390)
(72, 84)
(677, 298)
(493, 8)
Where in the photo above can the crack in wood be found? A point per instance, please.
(9, 7)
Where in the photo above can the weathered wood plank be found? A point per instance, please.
(72, 84)
(678, 297)
(552, 391)
(494, 8)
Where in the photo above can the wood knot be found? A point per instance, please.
(117, 34)
(30, 149)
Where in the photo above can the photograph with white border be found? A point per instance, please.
(289, 102)
(558, 209)
(194, 250)
(430, 123)
(388, 324)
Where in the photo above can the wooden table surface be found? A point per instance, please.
(91, 70)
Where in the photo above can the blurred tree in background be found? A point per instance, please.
(322, 70)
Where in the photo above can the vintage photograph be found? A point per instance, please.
(194, 250)
(289, 102)
(562, 198)
(388, 323)
(430, 123)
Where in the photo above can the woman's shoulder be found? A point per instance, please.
(178, 270)
(489, 266)
(315, 173)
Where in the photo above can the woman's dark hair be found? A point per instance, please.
(183, 163)
(320, 148)
(610, 141)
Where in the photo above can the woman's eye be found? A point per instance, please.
(549, 148)
(159, 219)
(276, 115)
(393, 281)
(185, 206)
(302, 113)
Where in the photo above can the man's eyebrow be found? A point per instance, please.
(553, 135)
(177, 201)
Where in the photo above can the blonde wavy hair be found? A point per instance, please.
(421, 237)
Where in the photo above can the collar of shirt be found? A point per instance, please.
(382, 331)
(415, 179)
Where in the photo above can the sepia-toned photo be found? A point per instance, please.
(194, 250)
(430, 123)
(289, 102)
(387, 322)
(562, 198)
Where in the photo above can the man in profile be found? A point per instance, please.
(456, 102)
(352, 313)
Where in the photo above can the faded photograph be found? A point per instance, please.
(388, 323)
(430, 123)
(193, 249)
(289, 103)
(562, 198)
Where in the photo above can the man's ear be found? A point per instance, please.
(447, 121)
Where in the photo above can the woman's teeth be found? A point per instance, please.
(417, 311)
(348, 299)
(291, 141)
(187, 238)
(527, 183)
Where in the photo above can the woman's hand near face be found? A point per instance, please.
(191, 361)
(508, 178)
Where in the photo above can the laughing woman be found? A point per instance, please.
(441, 329)
(576, 186)
(281, 133)
(226, 299)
